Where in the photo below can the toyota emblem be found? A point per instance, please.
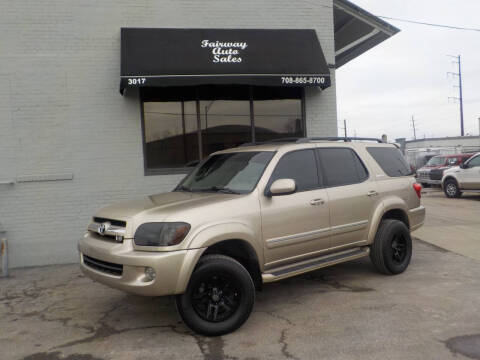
(102, 228)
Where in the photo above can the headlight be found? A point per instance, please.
(161, 233)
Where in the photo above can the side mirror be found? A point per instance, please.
(282, 187)
(463, 166)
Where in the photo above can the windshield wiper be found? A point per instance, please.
(183, 188)
(224, 190)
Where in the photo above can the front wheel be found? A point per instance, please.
(219, 297)
(391, 250)
(451, 189)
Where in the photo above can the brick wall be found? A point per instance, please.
(61, 114)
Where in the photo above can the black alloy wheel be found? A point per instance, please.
(216, 297)
(399, 248)
(391, 250)
(219, 297)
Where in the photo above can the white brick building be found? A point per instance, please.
(70, 143)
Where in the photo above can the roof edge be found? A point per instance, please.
(368, 17)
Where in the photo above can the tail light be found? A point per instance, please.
(418, 189)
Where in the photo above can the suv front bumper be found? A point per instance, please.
(172, 268)
(429, 181)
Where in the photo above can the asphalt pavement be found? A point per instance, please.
(348, 311)
(452, 224)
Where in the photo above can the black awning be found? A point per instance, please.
(181, 57)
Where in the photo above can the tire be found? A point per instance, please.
(219, 297)
(391, 250)
(451, 189)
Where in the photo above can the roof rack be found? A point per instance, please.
(336, 138)
(311, 139)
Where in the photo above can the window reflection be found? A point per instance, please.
(170, 138)
(173, 128)
(276, 119)
(225, 124)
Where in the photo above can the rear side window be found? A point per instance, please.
(300, 166)
(341, 166)
(390, 160)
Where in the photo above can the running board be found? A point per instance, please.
(313, 264)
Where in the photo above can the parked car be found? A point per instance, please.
(257, 214)
(465, 177)
(432, 172)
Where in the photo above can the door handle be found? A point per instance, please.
(372, 193)
(317, 202)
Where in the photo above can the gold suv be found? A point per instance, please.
(256, 214)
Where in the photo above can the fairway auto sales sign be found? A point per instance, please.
(225, 51)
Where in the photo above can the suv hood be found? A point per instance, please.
(172, 201)
(452, 169)
(428, 168)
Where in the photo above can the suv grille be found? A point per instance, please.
(103, 266)
(108, 229)
(113, 222)
(436, 174)
(423, 175)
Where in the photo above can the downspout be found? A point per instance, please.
(3, 253)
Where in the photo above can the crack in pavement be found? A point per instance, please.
(283, 342)
(277, 316)
(104, 330)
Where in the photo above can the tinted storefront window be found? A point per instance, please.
(170, 137)
(183, 124)
(278, 118)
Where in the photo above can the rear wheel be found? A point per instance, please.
(451, 189)
(391, 250)
(219, 297)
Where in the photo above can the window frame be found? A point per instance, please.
(266, 191)
(186, 170)
(471, 159)
(323, 171)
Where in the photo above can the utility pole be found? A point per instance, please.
(460, 98)
(345, 127)
(414, 129)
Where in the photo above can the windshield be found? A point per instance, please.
(235, 173)
(436, 161)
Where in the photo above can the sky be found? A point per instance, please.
(406, 75)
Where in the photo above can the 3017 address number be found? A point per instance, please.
(136, 81)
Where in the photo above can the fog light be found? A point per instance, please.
(118, 238)
(150, 273)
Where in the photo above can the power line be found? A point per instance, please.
(430, 24)
(452, 27)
